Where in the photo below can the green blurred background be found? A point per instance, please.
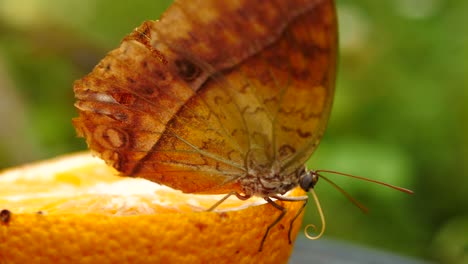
(400, 113)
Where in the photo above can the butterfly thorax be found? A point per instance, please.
(265, 184)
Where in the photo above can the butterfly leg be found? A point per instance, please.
(303, 199)
(238, 195)
(283, 212)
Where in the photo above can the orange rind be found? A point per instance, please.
(75, 209)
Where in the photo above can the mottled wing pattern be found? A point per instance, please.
(212, 92)
(305, 106)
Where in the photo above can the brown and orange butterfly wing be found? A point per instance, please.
(213, 91)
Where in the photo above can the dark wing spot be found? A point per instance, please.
(303, 134)
(187, 70)
(126, 99)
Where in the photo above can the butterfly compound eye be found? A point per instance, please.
(308, 180)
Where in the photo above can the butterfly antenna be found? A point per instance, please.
(341, 190)
(354, 201)
(366, 179)
(322, 218)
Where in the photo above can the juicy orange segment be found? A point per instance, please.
(75, 209)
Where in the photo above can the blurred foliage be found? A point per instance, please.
(400, 112)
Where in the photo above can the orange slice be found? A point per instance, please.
(76, 209)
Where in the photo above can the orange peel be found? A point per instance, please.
(76, 209)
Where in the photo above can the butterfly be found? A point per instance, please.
(217, 97)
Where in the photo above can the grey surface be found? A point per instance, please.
(333, 252)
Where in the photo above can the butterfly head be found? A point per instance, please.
(308, 180)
